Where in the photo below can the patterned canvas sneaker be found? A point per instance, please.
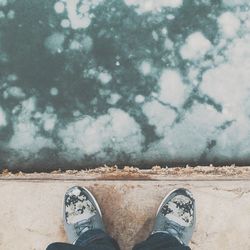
(176, 215)
(81, 213)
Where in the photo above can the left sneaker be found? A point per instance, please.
(81, 213)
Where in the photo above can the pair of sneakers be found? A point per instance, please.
(175, 216)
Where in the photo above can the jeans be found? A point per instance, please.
(99, 240)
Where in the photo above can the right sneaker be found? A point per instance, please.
(81, 213)
(176, 216)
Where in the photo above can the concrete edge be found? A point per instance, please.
(208, 173)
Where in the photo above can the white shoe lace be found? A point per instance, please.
(172, 229)
(83, 226)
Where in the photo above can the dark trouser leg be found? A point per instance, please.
(91, 240)
(160, 241)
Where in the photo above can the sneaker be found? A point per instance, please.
(176, 215)
(81, 213)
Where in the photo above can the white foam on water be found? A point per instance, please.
(49, 121)
(59, 7)
(196, 46)
(114, 98)
(78, 12)
(2, 15)
(225, 80)
(11, 14)
(152, 5)
(3, 121)
(145, 68)
(54, 43)
(229, 24)
(12, 77)
(188, 138)
(159, 116)
(170, 16)
(168, 44)
(139, 99)
(75, 45)
(54, 91)
(87, 43)
(229, 85)
(65, 23)
(104, 77)
(234, 142)
(116, 130)
(15, 92)
(26, 138)
(233, 3)
(3, 3)
(155, 35)
(172, 89)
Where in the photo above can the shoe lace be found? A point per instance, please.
(83, 226)
(174, 229)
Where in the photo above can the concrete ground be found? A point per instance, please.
(31, 206)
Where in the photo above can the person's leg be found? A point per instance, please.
(83, 223)
(91, 240)
(174, 224)
(63, 246)
(161, 241)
